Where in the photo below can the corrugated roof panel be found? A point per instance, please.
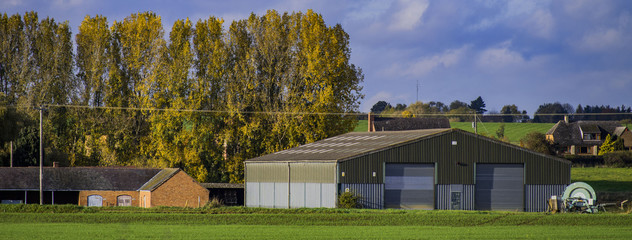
(347, 145)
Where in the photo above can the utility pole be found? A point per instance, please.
(475, 125)
(11, 153)
(41, 160)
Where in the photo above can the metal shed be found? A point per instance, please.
(419, 169)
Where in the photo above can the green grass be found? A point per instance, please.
(309, 224)
(604, 179)
(513, 131)
(363, 126)
(160, 231)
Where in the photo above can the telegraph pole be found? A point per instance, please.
(41, 160)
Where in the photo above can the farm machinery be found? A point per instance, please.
(577, 197)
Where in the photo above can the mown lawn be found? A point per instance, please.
(180, 231)
(33, 222)
(604, 179)
(513, 131)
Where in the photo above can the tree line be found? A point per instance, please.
(204, 98)
(456, 111)
(459, 111)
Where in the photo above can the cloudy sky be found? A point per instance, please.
(509, 52)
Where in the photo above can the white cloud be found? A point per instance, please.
(600, 40)
(68, 3)
(540, 24)
(10, 3)
(531, 16)
(499, 57)
(446, 59)
(383, 96)
(409, 14)
(369, 10)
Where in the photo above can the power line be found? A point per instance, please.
(300, 113)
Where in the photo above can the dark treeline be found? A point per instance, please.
(461, 112)
(602, 113)
(247, 90)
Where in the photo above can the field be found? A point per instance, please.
(604, 179)
(240, 223)
(513, 131)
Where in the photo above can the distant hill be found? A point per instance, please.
(514, 131)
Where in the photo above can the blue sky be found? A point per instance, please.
(509, 52)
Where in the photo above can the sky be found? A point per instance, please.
(518, 52)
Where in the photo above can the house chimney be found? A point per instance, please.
(55, 164)
(370, 120)
(566, 119)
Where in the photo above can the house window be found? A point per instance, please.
(588, 136)
(583, 150)
(124, 200)
(95, 201)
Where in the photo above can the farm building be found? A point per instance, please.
(419, 169)
(102, 186)
(229, 194)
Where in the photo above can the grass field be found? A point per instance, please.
(604, 179)
(513, 131)
(233, 223)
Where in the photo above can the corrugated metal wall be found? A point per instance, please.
(536, 196)
(310, 185)
(371, 195)
(313, 172)
(267, 172)
(444, 196)
(455, 154)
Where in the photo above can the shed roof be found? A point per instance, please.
(222, 185)
(77, 178)
(348, 145)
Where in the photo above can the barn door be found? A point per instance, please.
(409, 186)
(95, 201)
(499, 187)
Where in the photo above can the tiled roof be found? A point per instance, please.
(159, 179)
(76, 178)
(567, 134)
(619, 131)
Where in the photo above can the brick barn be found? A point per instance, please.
(102, 186)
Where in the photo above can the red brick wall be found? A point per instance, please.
(179, 191)
(109, 197)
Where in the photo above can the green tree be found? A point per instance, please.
(208, 93)
(457, 104)
(380, 106)
(500, 132)
(510, 113)
(139, 38)
(478, 105)
(536, 141)
(551, 112)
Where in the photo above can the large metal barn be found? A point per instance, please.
(420, 169)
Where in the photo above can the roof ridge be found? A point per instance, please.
(158, 179)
